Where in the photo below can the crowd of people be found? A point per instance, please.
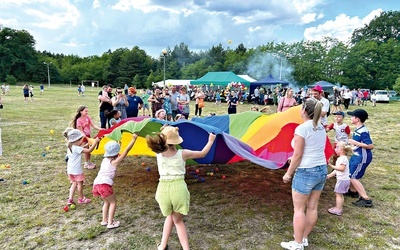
(307, 167)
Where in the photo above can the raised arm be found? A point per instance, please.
(189, 154)
(126, 151)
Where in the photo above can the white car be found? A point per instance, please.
(380, 96)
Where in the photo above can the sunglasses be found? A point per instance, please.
(119, 92)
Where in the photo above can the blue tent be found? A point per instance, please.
(269, 80)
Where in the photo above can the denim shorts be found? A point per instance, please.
(306, 180)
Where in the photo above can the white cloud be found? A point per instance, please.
(341, 28)
(96, 4)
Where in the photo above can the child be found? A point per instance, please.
(104, 93)
(172, 194)
(74, 167)
(102, 185)
(84, 123)
(160, 114)
(115, 117)
(341, 171)
(342, 130)
(145, 97)
(361, 157)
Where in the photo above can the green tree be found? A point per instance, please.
(380, 29)
(11, 80)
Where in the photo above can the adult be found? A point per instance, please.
(167, 104)
(174, 102)
(126, 89)
(199, 98)
(105, 106)
(232, 103)
(337, 100)
(347, 96)
(156, 100)
(135, 103)
(318, 93)
(183, 103)
(25, 91)
(308, 165)
(120, 102)
(256, 95)
(287, 101)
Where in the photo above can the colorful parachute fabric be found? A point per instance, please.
(262, 139)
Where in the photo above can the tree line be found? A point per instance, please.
(371, 59)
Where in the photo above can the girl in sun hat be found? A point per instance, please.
(76, 147)
(102, 185)
(172, 194)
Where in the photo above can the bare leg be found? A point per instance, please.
(181, 230)
(360, 188)
(111, 208)
(168, 224)
(299, 216)
(80, 189)
(312, 212)
(106, 206)
(339, 201)
(72, 190)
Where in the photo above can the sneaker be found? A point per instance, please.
(89, 165)
(115, 224)
(361, 202)
(292, 245)
(84, 200)
(352, 194)
(305, 242)
(104, 223)
(335, 211)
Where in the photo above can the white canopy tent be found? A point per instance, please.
(171, 82)
(247, 77)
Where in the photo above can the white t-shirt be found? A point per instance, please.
(325, 107)
(74, 160)
(342, 175)
(314, 144)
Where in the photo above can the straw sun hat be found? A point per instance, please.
(172, 135)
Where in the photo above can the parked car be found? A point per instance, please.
(380, 96)
(392, 93)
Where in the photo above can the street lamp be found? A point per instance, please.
(48, 71)
(164, 53)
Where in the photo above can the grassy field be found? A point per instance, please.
(250, 209)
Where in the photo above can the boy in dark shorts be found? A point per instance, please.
(361, 158)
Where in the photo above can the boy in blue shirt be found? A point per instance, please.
(361, 158)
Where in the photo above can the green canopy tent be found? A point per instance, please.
(220, 78)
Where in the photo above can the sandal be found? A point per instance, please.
(158, 246)
(70, 202)
(104, 223)
(84, 200)
(115, 224)
(335, 211)
(2, 180)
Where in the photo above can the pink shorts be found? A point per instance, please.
(102, 190)
(76, 177)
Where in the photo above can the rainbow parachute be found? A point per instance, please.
(262, 139)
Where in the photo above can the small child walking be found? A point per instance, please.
(172, 193)
(74, 166)
(84, 123)
(102, 185)
(341, 171)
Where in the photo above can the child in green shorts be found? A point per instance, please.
(172, 193)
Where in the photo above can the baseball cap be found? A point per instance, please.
(74, 135)
(317, 88)
(360, 114)
(339, 113)
(112, 148)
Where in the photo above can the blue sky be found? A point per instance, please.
(92, 27)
